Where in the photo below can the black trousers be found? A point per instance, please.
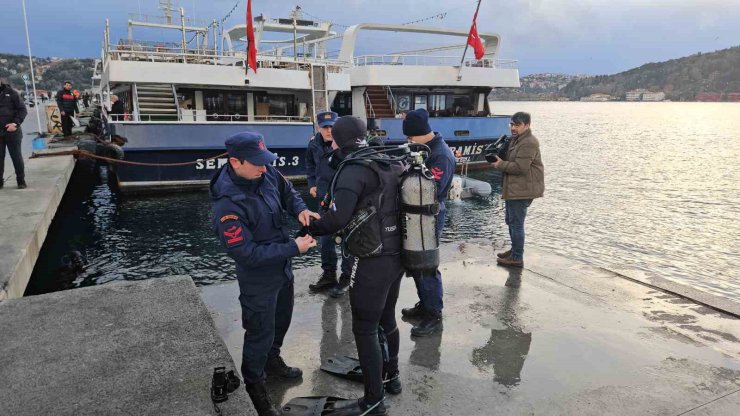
(13, 142)
(67, 123)
(373, 294)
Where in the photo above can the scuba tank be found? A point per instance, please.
(419, 209)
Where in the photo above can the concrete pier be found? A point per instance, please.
(131, 348)
(25, 216)
(572, 340)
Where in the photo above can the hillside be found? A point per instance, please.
(50, 72)
(680, 79)
(538, 87)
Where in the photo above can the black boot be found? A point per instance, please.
(357, 407)
(22, 184)
(276, 368)
(341, 288)
(392, 382)
(328, 279)
(261, 400)
(431, 323)
(2, 183)
(416, 312)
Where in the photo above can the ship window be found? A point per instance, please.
(436, 102)
(420, 101)
(236, 103)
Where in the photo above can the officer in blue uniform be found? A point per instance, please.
(319, 175)
(250, 198)
(441, 163)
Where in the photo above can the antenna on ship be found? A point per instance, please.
(168, 7)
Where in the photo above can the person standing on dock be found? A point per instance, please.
(524, 180)
(441, 164)
(319, 175)
(68, 108)
(12, 113)
(250, 198)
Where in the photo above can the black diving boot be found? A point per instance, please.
(392, 382)
(342, 287)
(261, 400)
(327, 280)
(416, 312)
(357, 407)
(431, 323)
(276, 368)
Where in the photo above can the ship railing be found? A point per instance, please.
(208, 118)
(431, 60)
(170, 54)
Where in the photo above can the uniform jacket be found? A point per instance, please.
(441, 163)
(67, 102)
(249, 222)
(524, 174)
(12, 109)
(318, 171)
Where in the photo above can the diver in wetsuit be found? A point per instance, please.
(375, 279)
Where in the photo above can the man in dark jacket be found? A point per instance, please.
(524, 180)
(441, 164)
(250, 198)
(319, 175)
(12, 113)
(67, 103)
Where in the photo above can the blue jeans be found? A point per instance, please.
(429, 286)
(516, 212)
(329, 256)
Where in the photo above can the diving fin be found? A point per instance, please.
(345, 367)
(310, 406)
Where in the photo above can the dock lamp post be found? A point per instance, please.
(33, 76)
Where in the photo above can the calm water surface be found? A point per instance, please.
(648, 186)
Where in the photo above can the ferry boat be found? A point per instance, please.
(183, 99)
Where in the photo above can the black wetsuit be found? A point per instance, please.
(375, 281)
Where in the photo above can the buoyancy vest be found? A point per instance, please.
(374, 228)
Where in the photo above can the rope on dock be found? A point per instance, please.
(84, 153)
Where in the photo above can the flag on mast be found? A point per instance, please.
(473, 39)
(251, 46)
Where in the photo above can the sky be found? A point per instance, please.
(563, 36)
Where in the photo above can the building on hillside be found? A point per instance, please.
(653, 96)
(598, 97)
(709, 96)
(635, 95)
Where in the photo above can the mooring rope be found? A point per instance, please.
(85, 153)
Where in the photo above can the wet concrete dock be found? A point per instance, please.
(131, 348)
(572, 340)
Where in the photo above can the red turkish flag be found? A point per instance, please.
(474, 40)
(252, 47)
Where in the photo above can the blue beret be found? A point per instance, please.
(327, 118)
(249, 146)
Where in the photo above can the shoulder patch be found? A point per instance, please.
(230, 217)
(233, 235)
